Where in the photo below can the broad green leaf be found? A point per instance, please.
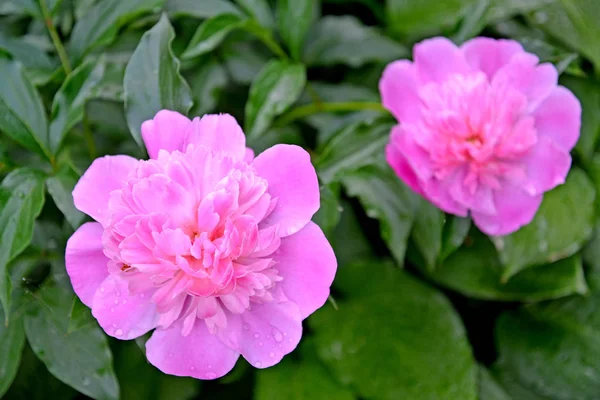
(244, 60)
(501, 10)
(552, 349)
(563, 223)
(12, 341)
(259, 10)
(489, 388)
(304, 379)
(100, 24)
(68, 106)
(473, 22)
(294, 19)
(574, 23)
(420, 18)
(207, 82)
(200, 9)
(353, 146)
(22, 114)
(330, 211)
(80, 358)
(152, 79)
(19, 7)
(21, 201)
(427, 232)
(394, 324)
(278, 85)
(475, 271)
(454, 234)
(139, 380)
(60, 186)
(333, 41)
(38, 65)
(211, 33)
(387, 199)
(588, 93)
(80, 316)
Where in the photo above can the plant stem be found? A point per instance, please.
(60, 49)
(316, 108)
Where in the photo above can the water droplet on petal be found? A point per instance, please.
(116, 301)
(192, 368)
(277, 335)
(256, 335)
(258, 364)
(102, 290)
(210, 375)
(170, 355)
(246, 327)
(260, 344)
(272, 355)
(118, 294)
(124, 301)
(119, 332)
(112, 309)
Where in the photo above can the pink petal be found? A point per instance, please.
(515, 208)
(403, 138)
(401, 167)
(249, 157)
(165, 132)
(218, 132)
(533, 80)
(307, 264)
(106, 174)
(398, 88)
(265, 333)
(489, 55)
(559, 118)
(438, 194)
(293, 181)
(120, 313)
(547, 166)
(199, 354)
(438, 58)
(85, 261)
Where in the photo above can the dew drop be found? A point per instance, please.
(256, 335)
(210, 375)
(102, 290)
(209, 366)
(86, 381)
(119, 332)
(246, 327)
(260, 344)
(124, 301)
(192, 368)
(258, 364)
(277, 335)
(116, 301)
(112, 309)
(170, 355)
(118, 294)
(142, 295)
(272, 355)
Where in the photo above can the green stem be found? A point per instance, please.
(316, 108)
(273, 46)
(60, 49)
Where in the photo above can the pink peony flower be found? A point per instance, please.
(212, 247)
(484, 129)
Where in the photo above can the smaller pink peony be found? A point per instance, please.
(209, 246)
(484, 129)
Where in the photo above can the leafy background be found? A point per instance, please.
(423, 307)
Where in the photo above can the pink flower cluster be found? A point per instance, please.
(209, 246)
(484, 129)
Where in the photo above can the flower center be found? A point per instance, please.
(186, 227)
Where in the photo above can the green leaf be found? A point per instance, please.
(427, 232)
(243, 60)
(60, 187)
(211, 34)
(588, 93)
(574, 23)
(394, 324)
(22, 114)
(333, 41)
(387, 199)
(454, 234)
(101, 23)
(489, 388)
(473, 22)
(21, 201)
(330, 211)
(353, 146)
(561, 226)
(420, 18)
(12, 341)
(259, 10)
(475, 271)
(294, 19)
(299, 380)
(501, 10)
(278, 85)
(207, 83)
(68, 106)
(152, 79)
(38, 65)
(80, 358)
(552, 349)
(139, 380)
(200, 9)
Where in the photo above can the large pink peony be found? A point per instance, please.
(484, 129)
(212, 247)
